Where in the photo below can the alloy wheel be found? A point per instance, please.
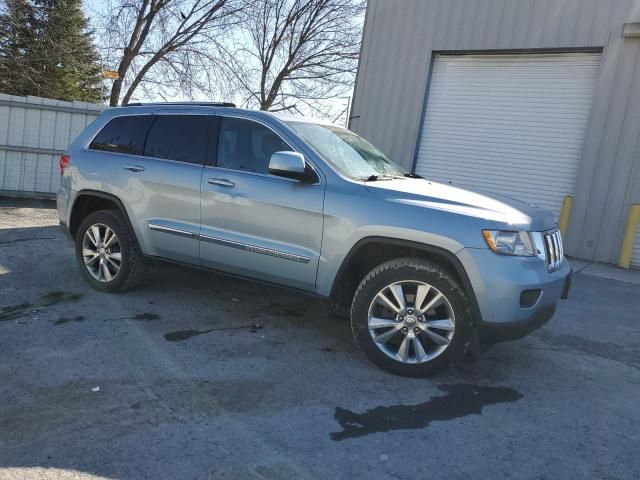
(101, 252)
(411, 321)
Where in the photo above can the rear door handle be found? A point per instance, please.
(221, 182)
(134, 168)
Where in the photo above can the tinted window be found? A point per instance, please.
(178, 137)
(246, 145)
(123, 135)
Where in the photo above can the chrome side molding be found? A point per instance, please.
(230, 243)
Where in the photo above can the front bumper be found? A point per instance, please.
(498, 282)
(490, 333)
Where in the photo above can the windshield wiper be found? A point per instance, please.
(373, 178)
(412, 175)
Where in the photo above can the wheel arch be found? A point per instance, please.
(88, 201)
(370, 252)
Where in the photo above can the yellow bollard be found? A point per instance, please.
(624, 260)
(567, 202)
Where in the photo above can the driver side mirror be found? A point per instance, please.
(289, 165)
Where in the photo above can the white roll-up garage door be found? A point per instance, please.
(512, 124)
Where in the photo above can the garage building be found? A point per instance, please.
(536, 99)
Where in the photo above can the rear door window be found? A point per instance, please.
(178, 137)
(123, 135)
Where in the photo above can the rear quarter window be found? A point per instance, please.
(123, 135)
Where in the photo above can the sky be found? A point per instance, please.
(336, 106)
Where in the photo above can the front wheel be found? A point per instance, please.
(107, 252)
(411, 318)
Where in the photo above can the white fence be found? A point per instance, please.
(34, 132)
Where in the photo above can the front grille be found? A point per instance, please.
(554, 250)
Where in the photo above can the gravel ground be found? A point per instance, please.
(195, 375)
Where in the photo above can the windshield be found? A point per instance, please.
(350, 154)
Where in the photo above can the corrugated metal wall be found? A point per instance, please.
(34, 132)
(401, 36)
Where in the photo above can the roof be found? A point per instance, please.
(225, 106)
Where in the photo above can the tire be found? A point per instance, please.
(131, 264)
(429, 328)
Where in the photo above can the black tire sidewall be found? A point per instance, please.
(112, 220)
(422, 271)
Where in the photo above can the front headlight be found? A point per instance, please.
(510, 243)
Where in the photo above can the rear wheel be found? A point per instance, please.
(411, 318)
(107, 252)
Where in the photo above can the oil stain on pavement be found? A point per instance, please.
(54, 298)
(63, 320)
(459, 401)
(13, 312)
(181, 335)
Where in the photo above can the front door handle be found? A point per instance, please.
(134, 168)
(221, 182)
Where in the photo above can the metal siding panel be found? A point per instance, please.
(454, 33)
(16, 126)
(602, 18)
(521, 26)
(3, 168)
(496, 13)
(29, 170)
(380, 45)
(47, 129)
(32, 128)
(577, 242)
(441, 27)
(47, 171)
(605, 154)
(505, 37)
(76, 126)
(13, 171)
(397, 61)
(621, 164)
(568, 23)
(552, 23)
(468, 21)
(479, 28)
(536, 23)
(4, 125)
(61, 132)
(29, 122)
(414, 59)
(513, 124)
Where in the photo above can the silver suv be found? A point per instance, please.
(426, 270)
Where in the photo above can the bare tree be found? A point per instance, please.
(290, 54)
(161, 45)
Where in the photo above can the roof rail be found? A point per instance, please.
(201, 104)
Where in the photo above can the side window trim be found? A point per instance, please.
(146, 135)
(214, 161)
(212, 144)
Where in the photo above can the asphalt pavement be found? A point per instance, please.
(196, 375)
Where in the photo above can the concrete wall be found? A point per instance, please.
(401, 36)
(34, 132)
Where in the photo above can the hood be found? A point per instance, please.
(498, 210)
